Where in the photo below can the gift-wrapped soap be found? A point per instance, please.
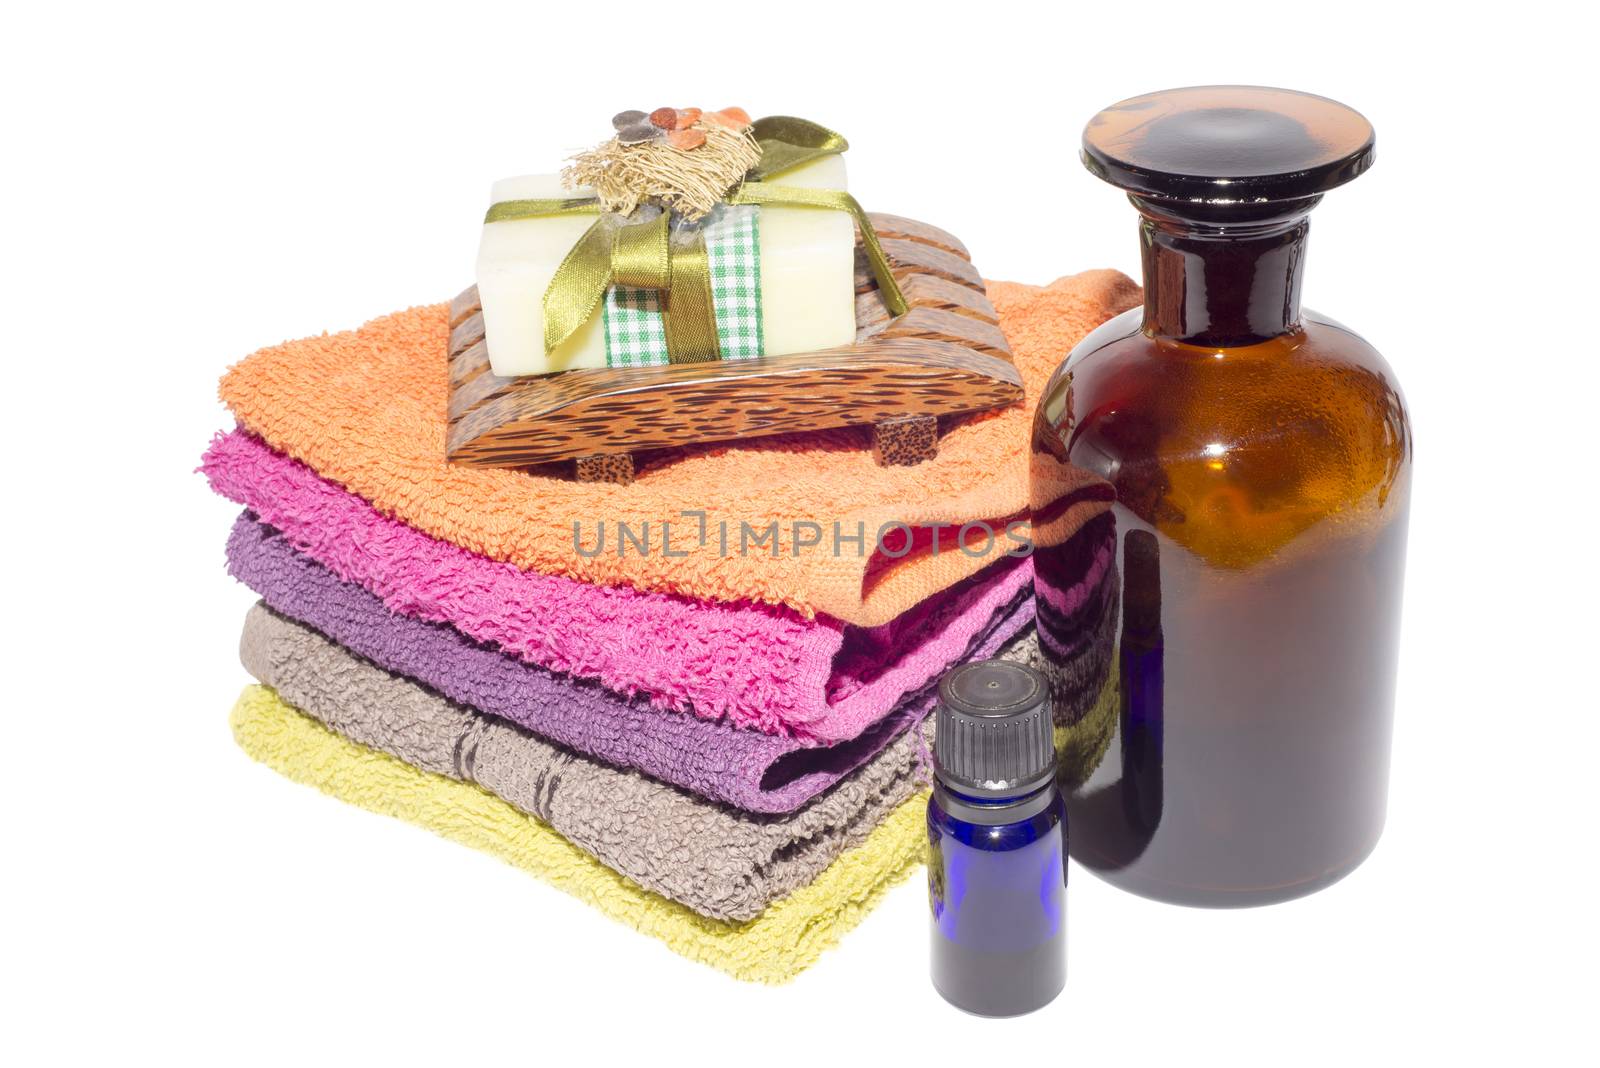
(782, 279)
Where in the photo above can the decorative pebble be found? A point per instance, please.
(686, 140)
(687, 117)
(733, 118)
(665, 118)
(624, 119)
(638, 134)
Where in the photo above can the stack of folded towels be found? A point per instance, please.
(721, 749)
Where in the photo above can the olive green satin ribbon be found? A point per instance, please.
(645, 255)
(688, 312)
(579, 284)
(615, 251)
(536, 209)
(789, 196)
(641, 255)
(787, 142)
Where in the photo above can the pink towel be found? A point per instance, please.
(759, 666)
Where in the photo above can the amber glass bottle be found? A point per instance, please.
(1255, 460)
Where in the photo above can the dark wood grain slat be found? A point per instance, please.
(914, 258)
(900, 228)
(467, 332)
(476, 390)
(469, 364)
(465, 303)
(936, 324)
(555, 390)
(926, 291)
(650, 408)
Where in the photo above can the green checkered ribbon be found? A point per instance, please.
(635, 329)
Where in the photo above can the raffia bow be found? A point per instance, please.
(644, 251)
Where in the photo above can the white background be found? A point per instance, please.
(185, 186)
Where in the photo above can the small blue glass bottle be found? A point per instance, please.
(996, 843)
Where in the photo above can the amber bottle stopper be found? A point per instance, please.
(1220, 144)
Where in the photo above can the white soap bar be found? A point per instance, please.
(807, 275)
(808, 267)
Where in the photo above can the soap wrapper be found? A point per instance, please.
(782, 280)
(635, 328)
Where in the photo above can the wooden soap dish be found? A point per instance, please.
(944, 356)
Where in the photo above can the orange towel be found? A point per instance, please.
(366, 408)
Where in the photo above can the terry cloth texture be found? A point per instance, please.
(772, 948)
(717, 860)
(750, 770)
(760, 666)
(368, 409)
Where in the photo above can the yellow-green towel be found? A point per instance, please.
(772, 948)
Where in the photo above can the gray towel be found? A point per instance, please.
(717, 860)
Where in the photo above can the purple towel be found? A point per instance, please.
(752, 771)
(757, 665)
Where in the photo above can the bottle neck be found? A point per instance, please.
(993, 811)
(1223, 282)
